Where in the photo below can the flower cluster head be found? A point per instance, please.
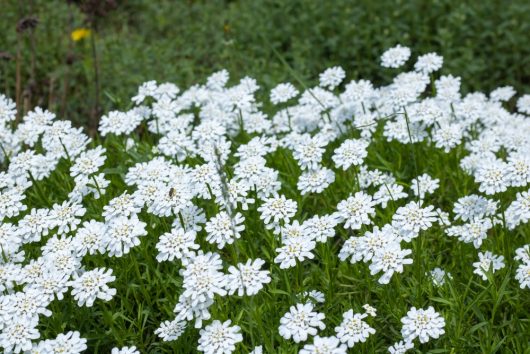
(523, 270)
(329, 345)
(300, 322)
(439, 276)
(247, 278)
(422, 324)
(356, 210)
(92, 285)
(353, 328)
(125, 350)
(488, 263)
(219, 337)
(395, 57)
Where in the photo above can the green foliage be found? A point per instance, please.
(486, 43)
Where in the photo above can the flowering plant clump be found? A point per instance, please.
(219, 219)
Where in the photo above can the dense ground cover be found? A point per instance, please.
(370, 215)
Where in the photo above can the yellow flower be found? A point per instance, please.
(79, 34)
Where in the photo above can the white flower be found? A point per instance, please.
(474, 207)
(147, 89)
(519, 170)
(519, 211)
(65, 262)
(10, 236)
(389, 259)
(502, 94)
(70, 342)
(119, 123)
(257, 350)
(28, 304)
(352, 249)
(192, 217)
(523, 104)
(125, 350)
(202, 277)
(218, 80)
(219, 338)
(400, 347)
(473, 232)
(10, 274)
(353, 329)
(88, 162)
(308, 152)
(356, 210)
(177, 244)
(395, 57)
(294, 249)
(171, 330)
(315, 181)
(447, 135)
(389, 192)
(423, 185)
(320, 228)
(123, 234)
(413, 218)
(429, 63)
(314, 296)
(223, 229)
(50, 284)
(523, 275)
(237, 195)
(371, 311)
(448, 88)
(283, 93)
(300, 322)
(17, 335)
(8, 109)
(332, 77)
(34, 225)
(124, 205)
(277, 209)
(295, 230)
(247, 278)
(189, 308)
(324, 345)
(438, 276)
(523, 254)
(11, 203)
(425, 324)
(90, 238)
(493, 177)
(58, 244)
(92, 285)
(65, 216)
(350, 152)
(488, 262)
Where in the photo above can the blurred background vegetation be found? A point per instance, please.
(485, 42)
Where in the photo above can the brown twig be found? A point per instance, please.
(18, 84)
(5, 57)
(96, 109)
(69, 60)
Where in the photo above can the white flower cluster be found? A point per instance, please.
(195, 161)
(523, 271)
(302, 321)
